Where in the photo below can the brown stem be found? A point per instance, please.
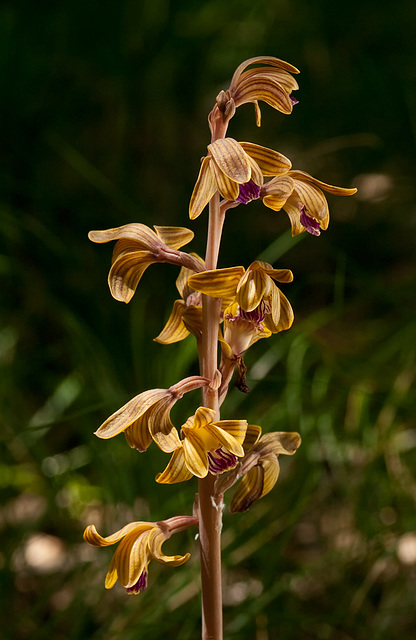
(210, 508)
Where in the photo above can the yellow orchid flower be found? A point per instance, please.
(263, 468)
(259, 469)
(186, 315)
(301, 196)
(206, 447)
(136, 248)
(140, 542)
(235, 170)
(272, 83)
(259, 299)
(146, 417)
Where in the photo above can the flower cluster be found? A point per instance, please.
(227, 310)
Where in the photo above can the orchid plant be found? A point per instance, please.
(227, 311)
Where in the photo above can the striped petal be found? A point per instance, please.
(131, 411)
(204, 189)
(276, 192)
(248, 491)
(219, 283)
(271, 163)
(174, 237)
(143, 236)
(196, 454)
(313, 199)
(336, 191)
(231, 160)
(92, 536)
(230, 434)
(263, 87)
(227, 188)
(126, 272)
(130, 558)
(252, 288)
(156, 538)
(174, 330)
(176, 470)
(252, 435)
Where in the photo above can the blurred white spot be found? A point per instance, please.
(406, 548)
(373, 187)
(44, 553)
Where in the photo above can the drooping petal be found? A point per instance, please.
(160, 426)
(202, 417)
(131, 411)
(302, 176)
(174, 237)
(176, 470)
(248, 491)
(126, 273)
(192, 319)
(174, 329)
(204, 189)
(230, 158)
(156, 538)
(138, 435)
(271, 163)
(219, 283)
(131, 557)
(281, 275)
(263, 87)
(287, 81)
(286, 315)
(260, 60)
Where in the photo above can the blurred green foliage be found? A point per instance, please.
(103, 117)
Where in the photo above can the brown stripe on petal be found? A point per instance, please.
(231, 159)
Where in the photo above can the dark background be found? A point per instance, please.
(103, 121)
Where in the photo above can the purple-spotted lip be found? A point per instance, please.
(247, 192)
(311, 225)
(140, 585)
(220, 461)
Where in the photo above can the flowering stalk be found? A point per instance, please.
(231, 308)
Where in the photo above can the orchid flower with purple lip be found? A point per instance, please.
(301, 197)
(207, 446)
(140, 542)
(236, 170)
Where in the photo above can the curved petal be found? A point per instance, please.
(192, 319)
(131, 557)
(182, 280)
(219, 283)
(279, 442)
(174, 330)
(287, 81)
(281, 275)
(176, 470)
(263, 87)
(271, 470)
(92, 536)
(252, 288)
(271, 163)
(126, 272)
(160, 425)
(174, 237)
(264, 60)
(293, 212)
(252, 435)
(231, 160)
(143, 236)
(137, 434)
(248, 491)
(155, 541)
(202, 417)
(204, 189)
(131, 411)
(336, 191)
